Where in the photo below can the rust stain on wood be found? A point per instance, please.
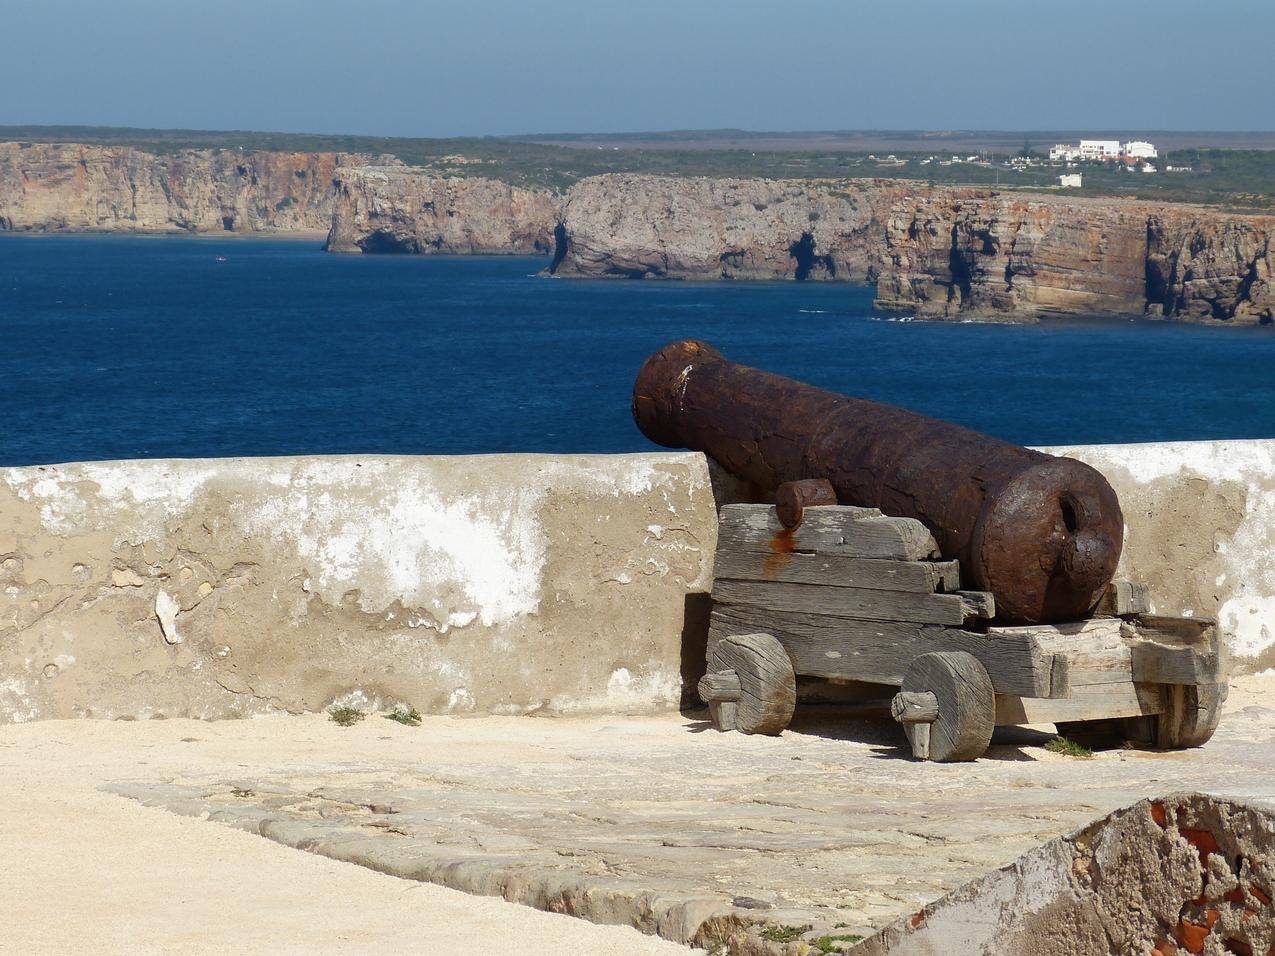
(781, 548)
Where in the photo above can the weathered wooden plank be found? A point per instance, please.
(1090, 702)
(838, 570)
(854, 532)
(1123, 598)
(1076, 631)
(859, 603)
(1144, 650)
(1184, 631)
(1176, 650)
(983, 603)
(1150, 663)
(1095, 651)
(880, 651)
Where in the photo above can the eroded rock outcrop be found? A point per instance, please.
(77, 188)
(961, 253)
(398, 209)
(935, 251)
(700, 228)
(1189, 873)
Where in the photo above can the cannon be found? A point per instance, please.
(903, 552)
(1041, 533)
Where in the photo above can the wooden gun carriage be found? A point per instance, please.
(850, 594)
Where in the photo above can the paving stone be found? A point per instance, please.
(653, 823)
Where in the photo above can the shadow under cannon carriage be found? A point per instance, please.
(850, 594)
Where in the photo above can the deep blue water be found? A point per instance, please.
(117, 347)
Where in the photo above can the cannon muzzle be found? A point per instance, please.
(1042, 533)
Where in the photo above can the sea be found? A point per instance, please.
(149, 347)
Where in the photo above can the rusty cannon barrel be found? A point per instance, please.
(1042, 533)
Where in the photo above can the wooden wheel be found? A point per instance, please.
(947, 707)
(1191, 717)
(750, 685)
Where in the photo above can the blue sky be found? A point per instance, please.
(425, 68)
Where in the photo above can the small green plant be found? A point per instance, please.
(784, 934)
(243, 792)
(832, 944)
(407, 716)
(345, 716)
(1068, 748)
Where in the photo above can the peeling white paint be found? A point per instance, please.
(460, 699)
(410, 544)
(15, 701)
(626, 693)
(358, 699)
(1250, 622)
(166, 608)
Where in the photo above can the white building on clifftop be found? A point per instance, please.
(1102, 150)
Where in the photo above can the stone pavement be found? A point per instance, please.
(704, 838)
(88, 872)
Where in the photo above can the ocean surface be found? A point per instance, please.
(122, 347)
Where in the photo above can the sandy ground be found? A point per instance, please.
(87, 872)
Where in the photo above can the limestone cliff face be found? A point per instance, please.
(71, 187)
(934, 251)
(1013, 256)
(663, 227)
(1211, 267)
(398, 209)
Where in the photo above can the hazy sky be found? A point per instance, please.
(427, 68)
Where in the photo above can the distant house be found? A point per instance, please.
(1070, 180)
(1101, 149)
(1178, 169)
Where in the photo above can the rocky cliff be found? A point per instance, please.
(398, 209)
(934, 251)
(71, 187)
(659, 227)
(1008, 255)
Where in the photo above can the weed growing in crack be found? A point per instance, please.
(783, 934)
(1068, 748)
(834, 944)
(407, 716)
(345, 716)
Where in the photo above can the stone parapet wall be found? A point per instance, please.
(493, 584)
(505, 584)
